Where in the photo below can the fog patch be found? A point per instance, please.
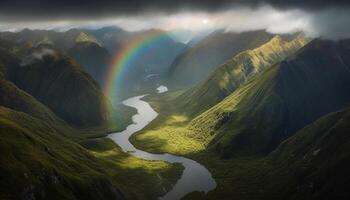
(331, 23)
(37, 55)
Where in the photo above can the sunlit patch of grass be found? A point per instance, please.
(137, 178)
(175, 120)
(33, 151)
(170, 136)
(171, 132)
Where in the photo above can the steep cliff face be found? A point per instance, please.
(236, 71)
(197, 62)
(272, 106)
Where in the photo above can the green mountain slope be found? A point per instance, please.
(270, 107)
(94, 58)
(272, 135)
(311, 164)
(16, 99)
(94, 49)
(196, 63)
(236, 71)
(37, 163)
(42, 157)
(315, 160)
(60, 83)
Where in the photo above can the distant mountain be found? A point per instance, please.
(151, 65)
(80, 45)
(161, 54)
(198, 61)
(110, 37)
(149, 68)
(60, 83)
(62, 40)
(95, 49)
(272, 106)
(94, 58)
(236, 71)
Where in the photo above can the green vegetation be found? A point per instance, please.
(37, 160)
(250, 141)
(262, 123)
(204, 56)
(94, 58)
(43, 157)
(62, 85)
(236, 71)
(137, 178)
(270, 107)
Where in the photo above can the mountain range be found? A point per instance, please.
(203, 56)
(267, 122)
(267, 114)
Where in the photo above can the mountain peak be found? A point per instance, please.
(277, 40)
(83, 37)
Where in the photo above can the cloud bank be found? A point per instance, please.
(63, 9)
(317, 18)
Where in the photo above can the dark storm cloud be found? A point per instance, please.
(60, 9)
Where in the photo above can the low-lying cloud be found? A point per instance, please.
(328, 22)
(38, 55)
(88, 9)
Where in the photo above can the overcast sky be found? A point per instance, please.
(327, 18)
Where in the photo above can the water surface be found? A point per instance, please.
(195, 176)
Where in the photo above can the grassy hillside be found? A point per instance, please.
(261, 113)
(295, 170)
(16, 99)
(37, 161)
(267, 148)
(197, 62)
(42, 157)
(235, 72)
(60, 83)
(302, 158)
(312, 164)
(93, 57)
(270, 107)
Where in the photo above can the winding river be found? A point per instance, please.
(195, 176)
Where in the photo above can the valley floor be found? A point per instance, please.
(136, 178)
(239, 178)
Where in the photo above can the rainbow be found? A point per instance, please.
(126, 55)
